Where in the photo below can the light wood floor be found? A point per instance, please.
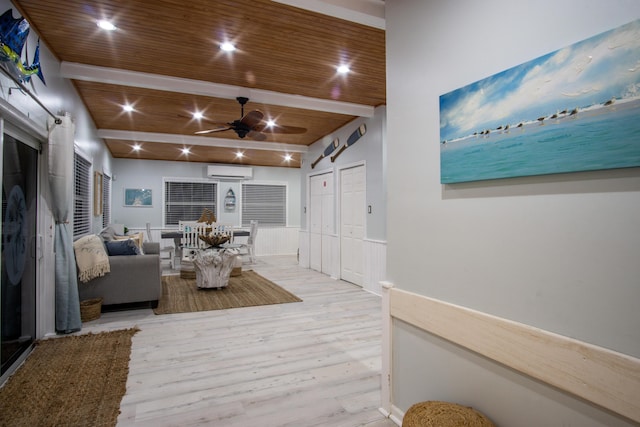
(314, 363)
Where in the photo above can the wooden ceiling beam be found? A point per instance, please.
(167, 138)
(366, 12)
(77, 71)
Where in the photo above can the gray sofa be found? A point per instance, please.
(134, 280)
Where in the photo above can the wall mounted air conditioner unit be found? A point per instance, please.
(229, 172)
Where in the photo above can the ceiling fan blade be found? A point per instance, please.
(280, 129)
(211, 122)
(217, 124)
(252, 118)
(220, 129)
(257, 136)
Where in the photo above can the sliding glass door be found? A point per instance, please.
(19, 213)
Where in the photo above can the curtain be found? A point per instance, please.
(62, 186)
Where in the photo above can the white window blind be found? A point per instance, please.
(106, 200)
(265, 203)
(185, 201)
(82, 199)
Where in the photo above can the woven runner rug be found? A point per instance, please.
(249, 289)
(74, 380)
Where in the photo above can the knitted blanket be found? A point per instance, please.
(91, 258)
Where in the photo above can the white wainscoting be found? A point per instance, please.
(599, 375)
(375, 265)
(277, 241)
(303, 245)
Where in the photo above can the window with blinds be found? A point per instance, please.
(82, 199)
(185, 201)
(265, 203)
(106, 200)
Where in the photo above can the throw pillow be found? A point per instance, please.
(122, 247)
(138, 238)
(108, 234)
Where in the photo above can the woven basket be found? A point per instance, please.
(90, 309)
(444, 414)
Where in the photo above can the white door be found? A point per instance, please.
(19, 262)
(328, 233)
(321, 222)
(315, 222)
(352, 224)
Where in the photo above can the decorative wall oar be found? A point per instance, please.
(353, 138)
(327, 151)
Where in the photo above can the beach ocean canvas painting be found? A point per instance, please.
(575, 109)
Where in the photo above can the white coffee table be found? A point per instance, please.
(213, 266)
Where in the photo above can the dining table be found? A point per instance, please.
(176, 235)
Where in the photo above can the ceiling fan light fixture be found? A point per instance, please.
(271, 123)
(251, 125)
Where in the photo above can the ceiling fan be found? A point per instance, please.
(251, 125)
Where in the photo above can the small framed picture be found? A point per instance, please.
(138, 197)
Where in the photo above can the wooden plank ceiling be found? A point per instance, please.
(164, 59)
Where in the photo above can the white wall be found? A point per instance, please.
(371, 149)
(558, 252)
(131, 173)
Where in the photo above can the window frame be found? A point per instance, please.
(83, 227)
(245, 220)
(106, 199)
(165, 203)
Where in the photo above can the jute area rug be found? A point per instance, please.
(249, 289)
(69, 381)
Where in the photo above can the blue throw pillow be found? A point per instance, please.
(122, 247)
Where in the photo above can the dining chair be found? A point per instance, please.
(191, 231)
(166, 250)
(224, 228)
(250, 245)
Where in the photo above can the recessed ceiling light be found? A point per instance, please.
(136, 147)
(186, 150)
(288, 158)
(227, 47)
(106, 25)
(239, 155)
(128, 108)
(271, 123)
(343, 69)
(197, 115)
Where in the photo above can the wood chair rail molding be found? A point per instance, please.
(599, 375)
